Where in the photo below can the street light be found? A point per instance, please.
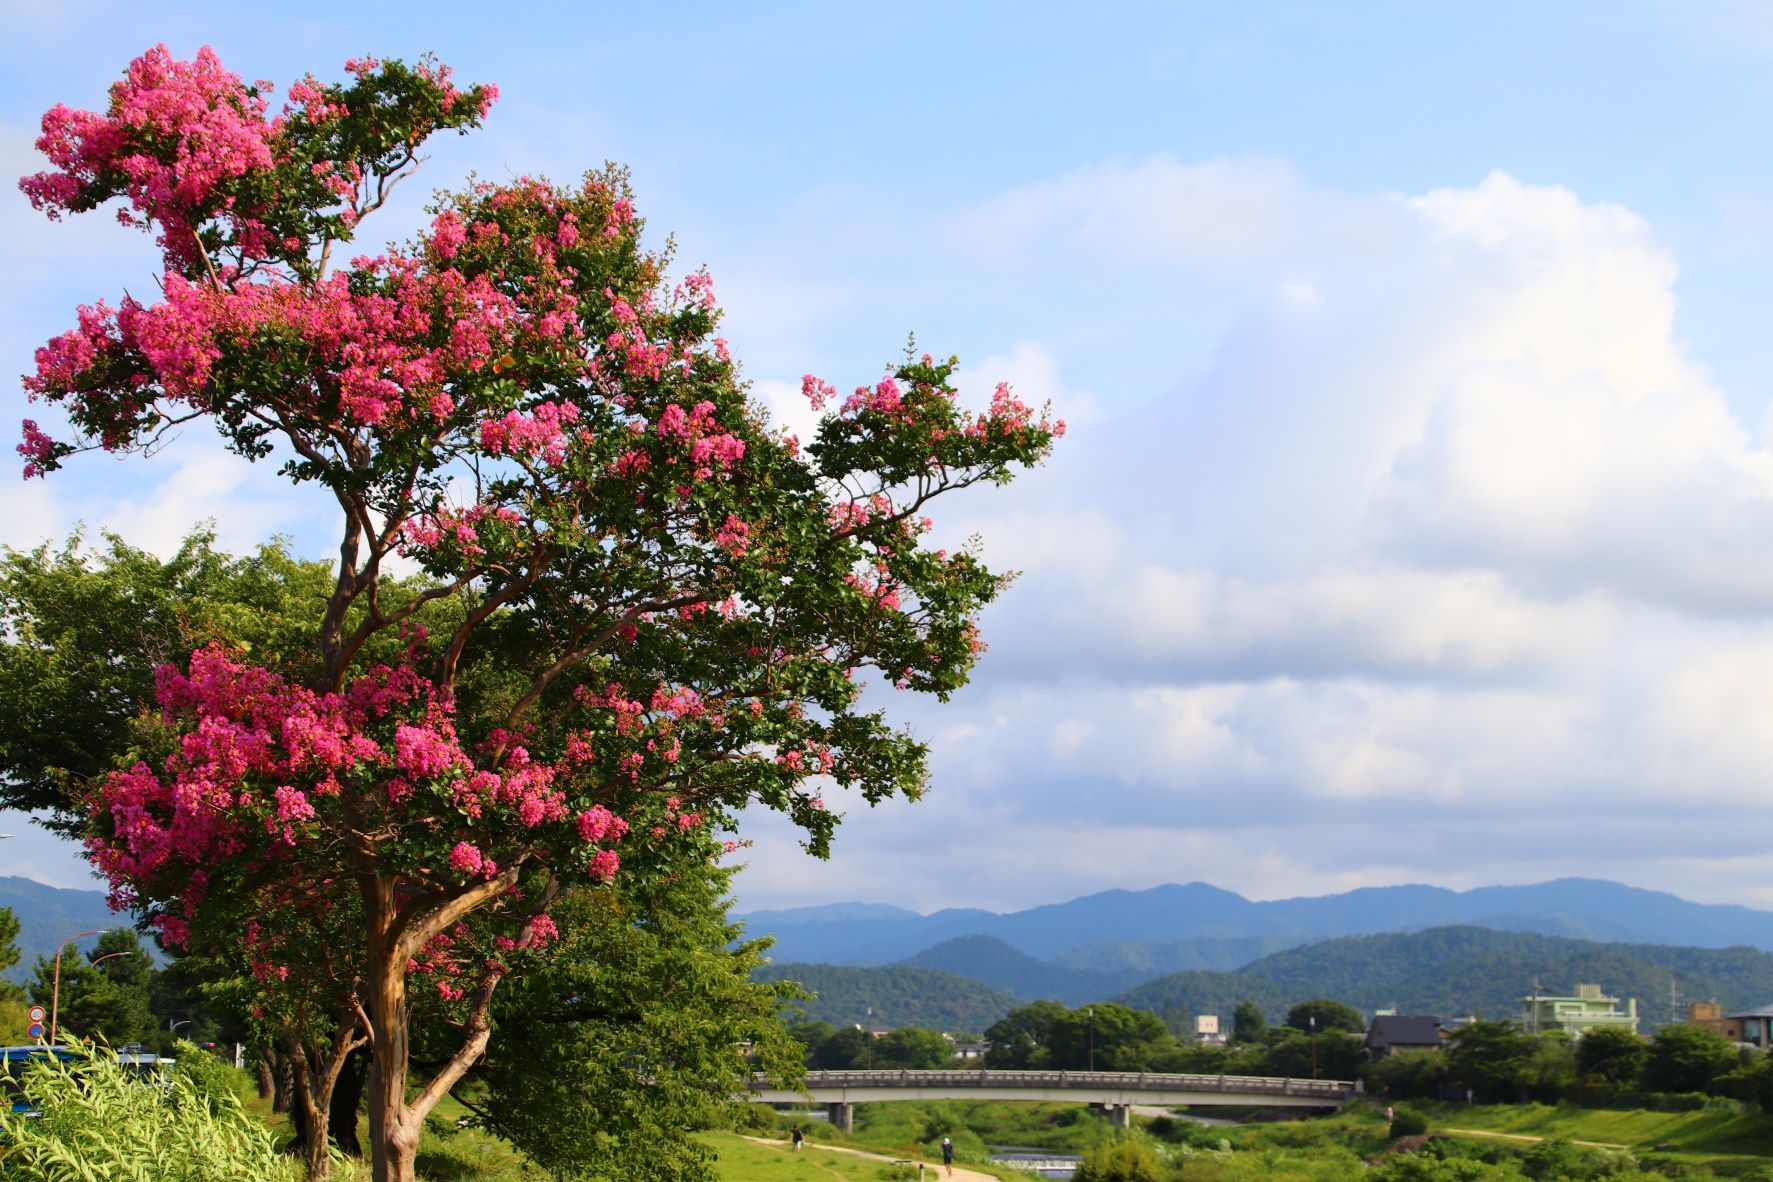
(1091, 1014)
(1314, 1046)
(173, 1027)
(55, 992)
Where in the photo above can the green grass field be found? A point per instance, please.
(1716, 1138)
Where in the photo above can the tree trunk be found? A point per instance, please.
(347, 1098)
(282, 1079)
(394, 1123)
(308, 1113)
(393, 1135)
(317, 1077)
(267, 1086)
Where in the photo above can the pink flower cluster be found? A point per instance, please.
(446, 525)
(543, 432)
(816, 391)
(1009, 415)
(734, 536)
(214, 129)
(709, 446)
(258, 755)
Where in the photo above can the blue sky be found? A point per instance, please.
(1417, 523)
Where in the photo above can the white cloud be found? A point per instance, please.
(1446, 528)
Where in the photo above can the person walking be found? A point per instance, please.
(948, 1155)
(798, 1137)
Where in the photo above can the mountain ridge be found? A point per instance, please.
(1198, 925)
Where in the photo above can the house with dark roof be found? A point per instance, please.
(1751, 1026)
(1391, 1033)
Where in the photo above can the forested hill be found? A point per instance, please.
(1455, 971)
(992, 962)
(900, 995)
(48, 915)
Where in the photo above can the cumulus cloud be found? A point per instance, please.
(1440, 559)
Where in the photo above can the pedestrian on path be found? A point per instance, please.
(948, 1155)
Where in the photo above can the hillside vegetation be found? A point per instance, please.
(1449, 972)
(900, 996)
(1456, 971)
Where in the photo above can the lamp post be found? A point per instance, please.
(1314, 1046)
(870, 1038)
(55, 990)
(1091, 1014)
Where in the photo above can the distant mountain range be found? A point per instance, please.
(1201, 927)
(48, 915)
(968, 982)
(1459, 971)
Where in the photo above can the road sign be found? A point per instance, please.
(34, 1030)
(38, 1013)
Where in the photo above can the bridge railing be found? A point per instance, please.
(1136, 1081)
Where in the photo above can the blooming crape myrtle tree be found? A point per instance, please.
(671, 608)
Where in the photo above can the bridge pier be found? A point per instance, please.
(1119, 1115)
(841, 1115)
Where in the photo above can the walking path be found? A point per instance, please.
(1529, 1137)
(932, 1170)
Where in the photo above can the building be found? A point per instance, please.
(1588, 1009)
(1709, 1015)
(1391, 1033)
(1754, 1027)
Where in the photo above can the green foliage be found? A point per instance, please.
(100, 1123)
(913, 1047)
(1610, 1056)
(85, 628)
(1686, 1059)
(1247, 1022)
(1419, 1167)
(1555, 1160)
(1126, 1159)
(624, 1040)
(1330, 1015)
(1462, 970)
(94, 1003)
(1407, 1122)
(210, 1078)
(1751, 1082)
(9, 991)
(1018, 1040)
(899, 995)
(1408, 1075)
(1489, 1059)
(842, 1050)
(1107, 1036)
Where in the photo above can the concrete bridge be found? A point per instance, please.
(1116, 1091)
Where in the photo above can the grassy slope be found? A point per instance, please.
(1696, 1136)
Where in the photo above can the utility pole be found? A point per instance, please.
(55, 990)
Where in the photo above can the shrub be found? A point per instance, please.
(1127, 1159)
(212, 1079)
(1407, 1122)
(757, 1118)
(100, 1121)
